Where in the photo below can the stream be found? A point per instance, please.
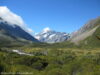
(21, 53)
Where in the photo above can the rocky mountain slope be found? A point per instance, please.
(11, 33)
(51, 36)
(88, 34)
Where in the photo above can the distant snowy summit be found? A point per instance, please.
(51, 36)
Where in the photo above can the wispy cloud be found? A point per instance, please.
(30, 30)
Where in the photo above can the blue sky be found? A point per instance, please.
(60, 15)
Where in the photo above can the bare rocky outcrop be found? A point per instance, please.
(86, 31)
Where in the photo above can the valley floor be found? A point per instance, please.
(50, 61)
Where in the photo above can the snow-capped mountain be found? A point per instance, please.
(50, 36)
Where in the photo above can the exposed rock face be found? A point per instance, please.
(86, 31)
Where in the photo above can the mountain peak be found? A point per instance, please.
(51, 36)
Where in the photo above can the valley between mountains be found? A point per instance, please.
(49, 52)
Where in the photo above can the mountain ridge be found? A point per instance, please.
(87, 35)
(13, 33)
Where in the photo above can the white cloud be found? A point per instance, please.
(30, 30)
(46, 29)
(12, 18)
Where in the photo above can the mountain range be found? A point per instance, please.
(12, 31)
(89, 34)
